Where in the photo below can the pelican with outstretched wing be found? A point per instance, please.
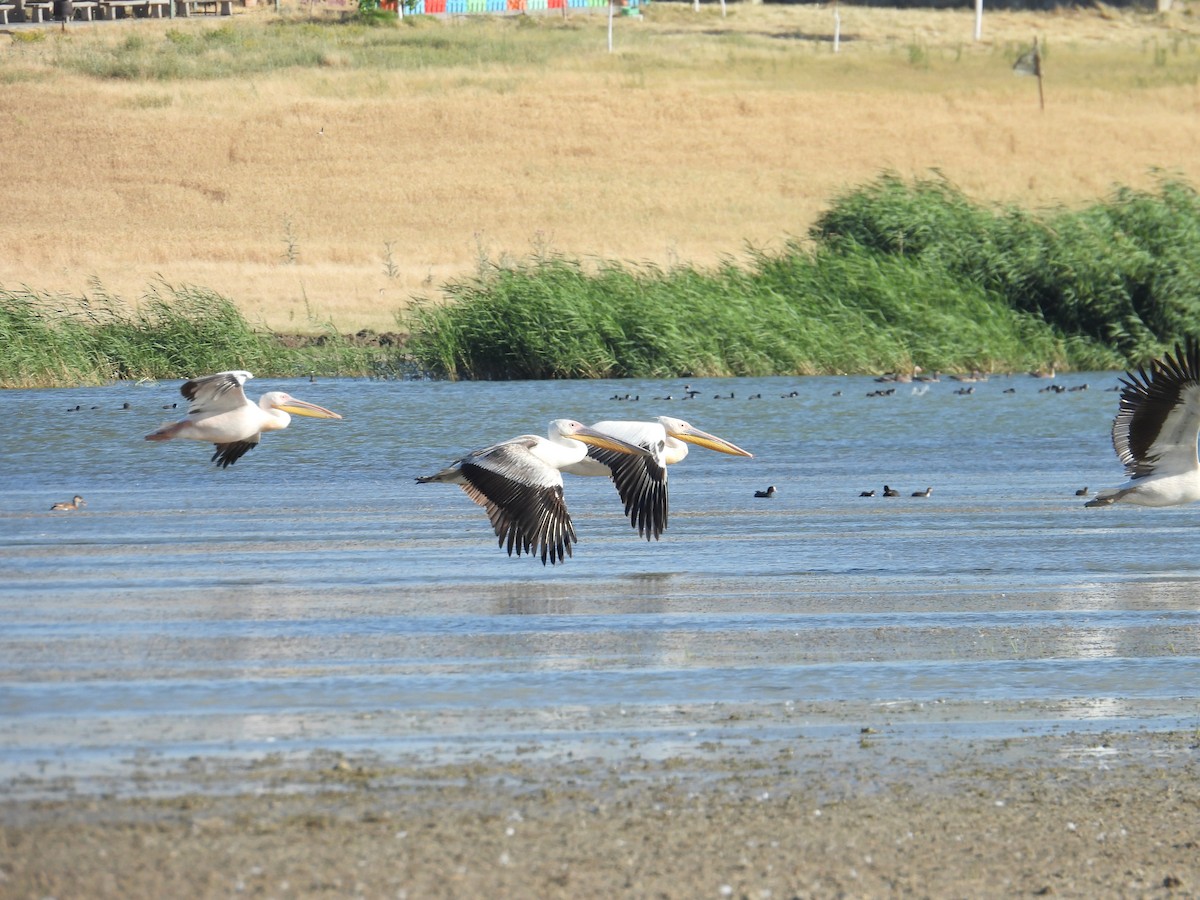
(641, 481)
(1154, 433)
(519, 482)
(220, 413)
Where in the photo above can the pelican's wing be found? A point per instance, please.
(523, 497)
(641, 481)
(227, 454)
(215, 393)
(1159, 415)
(642, 485)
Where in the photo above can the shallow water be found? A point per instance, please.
(314, 596)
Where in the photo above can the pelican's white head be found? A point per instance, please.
(577, 431)
(564, 428)
(284, 401)
(685, 431)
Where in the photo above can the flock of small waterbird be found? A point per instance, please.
(519, 483)
(889, 491)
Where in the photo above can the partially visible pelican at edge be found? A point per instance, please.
(75, 503)
(642, 480)
(519, 482)
(220, 413)
(1154, 433)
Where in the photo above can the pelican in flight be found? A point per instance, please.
(642, 480)
(75, 503)
(1154, 433)
(220, 413)
(519, 482)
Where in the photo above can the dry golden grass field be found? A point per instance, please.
(337, 192)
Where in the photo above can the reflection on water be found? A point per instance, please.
(313, 594)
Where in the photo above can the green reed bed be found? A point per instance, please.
(897, 275)
(173, 332)
(1123, 274)
(791, 314)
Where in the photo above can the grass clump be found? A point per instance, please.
(174, 332)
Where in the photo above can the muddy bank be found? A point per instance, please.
(387, 340)
(1049, 816)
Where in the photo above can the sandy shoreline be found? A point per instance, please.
(1061, 815)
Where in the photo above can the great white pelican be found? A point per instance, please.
(641, 481)
(519, 482)
(220, 413)
(1154, 433)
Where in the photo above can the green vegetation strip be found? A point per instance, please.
(896, 275)
(175, 332)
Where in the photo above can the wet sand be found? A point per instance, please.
(1061, 815)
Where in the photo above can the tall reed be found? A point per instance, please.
(791, 313)
(175, 331)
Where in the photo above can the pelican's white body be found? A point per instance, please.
(224, 425)
(534, 460)
(650, 435)
(1154, 433)
(1154, 490)
(519, 482)
(220, 413)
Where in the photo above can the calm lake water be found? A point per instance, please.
(314, 596)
